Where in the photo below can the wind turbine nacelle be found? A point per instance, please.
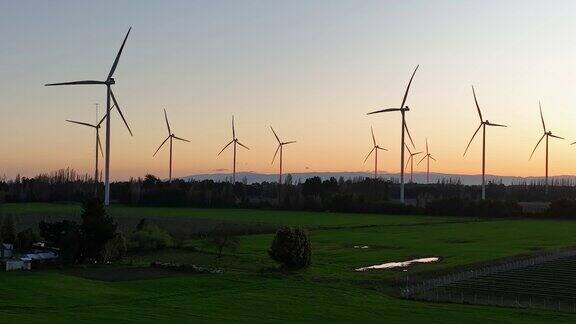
(111, 81)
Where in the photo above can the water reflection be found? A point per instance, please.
(403, 264)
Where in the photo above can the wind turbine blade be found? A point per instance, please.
(417, 153)
(409, 136)
(118, 55)
(406, 146)
(232, 141)
(75, 83)
(467, 146)
(556, 136)
(498, 125)
(181, 139)
(167, 123)
(100, 145)
(477, 106)
(408, 162)
(572, 143)
(383, 110)
(290, 142)
(275, 135)
(542, 116)
(120, 111)
(373, 138)
(159, 147)
(430, 156)
(367, 156)
(244, 146)
(535, 147)
(426, 146)
(425, 156)
(233, 130)
(381, 148)
(408, 87)
(80, 123)
(105, 115)
(277, 149)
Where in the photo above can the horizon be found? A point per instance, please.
(312, 71)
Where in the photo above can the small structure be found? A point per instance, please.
(24, 261)
(7, 250)
(17, 264)
(38, 255)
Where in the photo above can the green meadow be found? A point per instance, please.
(250, 290)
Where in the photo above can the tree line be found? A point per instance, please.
(446, 196)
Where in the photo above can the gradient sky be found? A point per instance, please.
(312, 69)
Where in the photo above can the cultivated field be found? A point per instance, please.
(549, 285)
(249, 290)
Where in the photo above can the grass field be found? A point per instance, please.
(312, 219)
(329, 291)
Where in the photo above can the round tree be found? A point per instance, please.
(291, 248)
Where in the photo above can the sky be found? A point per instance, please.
(311, 69)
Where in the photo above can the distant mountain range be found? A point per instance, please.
(420, 177)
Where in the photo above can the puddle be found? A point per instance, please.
(361, 246)
(404, 264)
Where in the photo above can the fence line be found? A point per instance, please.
(412, 291)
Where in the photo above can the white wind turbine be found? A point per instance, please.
(170, 137)
(97, 147)
(411, 162)
(483, 124)
(374, 150)
(109, 95)
(233, 141)
(546, 134)
(402, 109)
(428, 156)
(279, 148)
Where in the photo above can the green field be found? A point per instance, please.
(329, 291)
(236, 215)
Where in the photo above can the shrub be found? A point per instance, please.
(562, 208)
(291, 248)
(149, 236)
(64, 235)
(115, 249)
(223, 237)
(8, 230)
(97, 229)
(26, 239)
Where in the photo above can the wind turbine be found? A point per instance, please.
(233, 141)
(546, 134)
(170, 137)
(428, 156)
(375, 149)
(98, 146)
(279, 148)
(483, 124)
(411, 162)
(403, 109)
(109, 94)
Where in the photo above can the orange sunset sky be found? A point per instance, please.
(312, 70)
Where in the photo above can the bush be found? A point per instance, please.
(471, 208)
(291, 248)
(97, 229)
(26, 239)
(564, 208)
(64, 235)
(223, 237)
(149, 236)
(115, 249)
(8, 230)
